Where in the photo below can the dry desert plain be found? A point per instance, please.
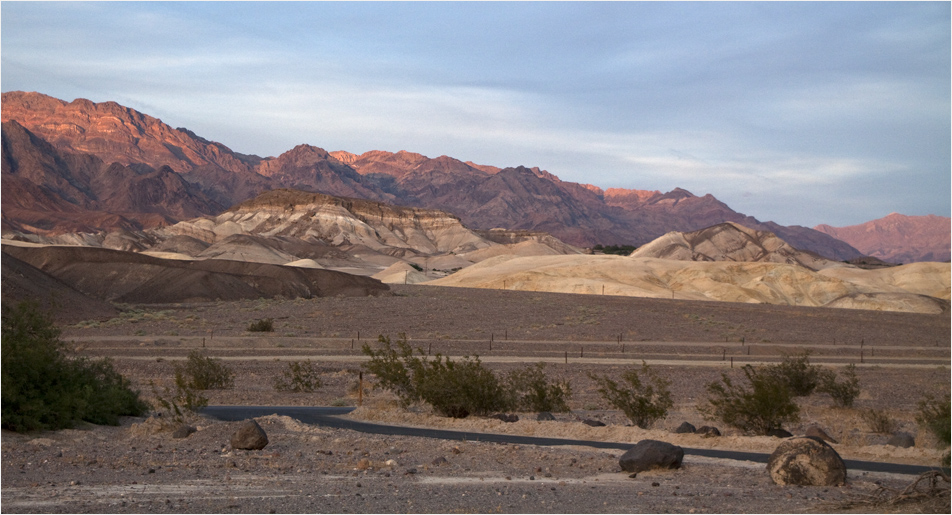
(140, 467)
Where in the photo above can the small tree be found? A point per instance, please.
(534, 392)
(760, 406)
(390, 365)
(644, 400)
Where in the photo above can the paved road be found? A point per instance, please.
(328, 417)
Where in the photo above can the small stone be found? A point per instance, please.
(708, 431)
(593, 423)
(818, 432)
(545, 415)
(440, 461)
(249, 436)
(183, 431)
(903, 440)
(685, 427)
(779, 433)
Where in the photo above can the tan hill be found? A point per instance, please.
(481, 196)
(730, 242)
(129, 277)
(770, 283)
(899, 238)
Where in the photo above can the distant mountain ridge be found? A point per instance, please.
(215, 177)
(899, 238)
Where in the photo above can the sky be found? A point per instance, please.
(799, 113)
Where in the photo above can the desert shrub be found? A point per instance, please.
(453, 389)
(534, 392)
(796, 372)
(935, 415)
(878, 421)
(759, 406)
(43, 388)
(299, 376)
(265, 325)
(844, 392)
(203, 373)
(643, 397)
(390, 366)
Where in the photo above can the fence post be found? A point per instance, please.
(360, 389)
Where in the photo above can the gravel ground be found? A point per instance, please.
(140, 467)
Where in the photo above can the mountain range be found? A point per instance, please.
(83, 167)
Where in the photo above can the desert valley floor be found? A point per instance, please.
(140, 467)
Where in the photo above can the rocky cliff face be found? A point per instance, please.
(899, 238)
(483, 197)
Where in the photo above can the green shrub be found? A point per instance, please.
(203, 373)
(42, 388)
(453, 389)
(796, 372)
(299, 376)
(844, 392)
(265, 325)
(643, 400)
(878, 421)
(935, 415)
(534, 392)
(760, 406)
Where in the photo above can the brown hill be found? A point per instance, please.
(483, 197)
(129, 277)
(899, 238)
(23, 282)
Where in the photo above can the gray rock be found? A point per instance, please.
(593, 423)
(818, 432)
(183, 431)
(651, 454)
(506, 417)
(806, 461)
(685, 427)
(249, 436)
(708, 431)
(904, 440)
(545, 415)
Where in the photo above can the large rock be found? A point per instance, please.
(806, 461)
(651, 454)
(818, 432)
(249, 436)
(685, 427)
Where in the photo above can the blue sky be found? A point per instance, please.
(800, 113)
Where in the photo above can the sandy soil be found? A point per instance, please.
(140, 467)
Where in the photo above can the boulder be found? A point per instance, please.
(806, 461)
(818, 432)
(708, 431)
(685, 427)
(506, 417)
(651, 454)
(779, 433)
(545, 415)
(249, 436)
(593, 423)
(904, 440)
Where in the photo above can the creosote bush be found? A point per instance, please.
(299, 376)
(878, 421)
(758, 407)
(796, 372)
(935, 415)
(643, 397)
(265, 325)
(44, 388)
(203, 373)
(534, 392)
(844, 392)
(453, 388)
